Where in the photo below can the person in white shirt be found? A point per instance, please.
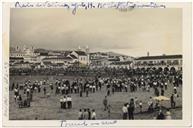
(75, 89)
(93, 116)
(69, 102)
(90, 88)
(94, 88)
(136, 102)
(125, 111)
(125, 85)
(41, 83)
(168, 115)
(16, 92)
(166, 85)
(35, 89)
(67, 90)
(140, 105)
(148, 88)
(28, 91)
(80, 115)
(62, 89)
(175, 90)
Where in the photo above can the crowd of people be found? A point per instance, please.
(146, 80)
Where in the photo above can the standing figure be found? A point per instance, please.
(93, 116)
(89, 114)
(44, 90)
(64, 102)
(131, 109)
(172, 101)
(140, 106)
(105, 102)
(69, 102)
(61, 103)
(125, 111)
(160, 116)
(80, 115)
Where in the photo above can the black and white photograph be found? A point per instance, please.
(96, 64)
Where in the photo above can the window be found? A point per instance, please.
(175, 62)
(162, 62)
(169, 62)
(144, 63)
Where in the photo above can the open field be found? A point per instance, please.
(49, 108)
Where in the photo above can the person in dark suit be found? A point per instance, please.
(87, 90)
(13, 86)
(173, 103)
(105, 103)
(162, 92)
(89, 114)
(20, 101)
(160, 116)
(61, 102)
(44, 90)
(65, 102)
(131, 109)
(80, 92)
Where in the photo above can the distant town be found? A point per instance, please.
(30, 57)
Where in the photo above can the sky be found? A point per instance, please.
(134, 32)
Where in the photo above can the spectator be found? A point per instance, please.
(80, 114)
(168, 115)
(173, 103)
(93, 116)
(140, 105)
(125, 111)
(160, 116)
(105, 103)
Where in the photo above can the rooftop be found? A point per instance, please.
(81, 53)
(159, 57)
(59, 57)
(16, 58)
(73, 56)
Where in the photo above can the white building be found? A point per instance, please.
(159, 61)
(27, 54)
(56, 60)
(81, 56)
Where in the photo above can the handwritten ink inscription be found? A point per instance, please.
(88, 5)
(6, 88)
(86, 123)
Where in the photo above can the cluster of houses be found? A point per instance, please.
(40, 58)
(23, 57)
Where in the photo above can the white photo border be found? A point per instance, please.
(187, 79)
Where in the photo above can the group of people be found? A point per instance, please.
(87, 114)
(78, 86)
(25, 100)
(162, 116)
(128, 110)
(66, 102)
